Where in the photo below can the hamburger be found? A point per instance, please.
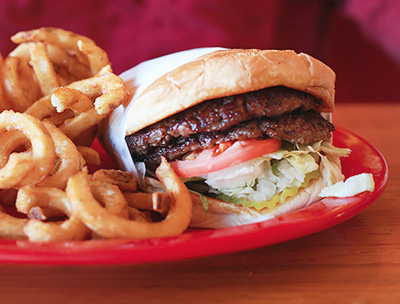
(247, 130)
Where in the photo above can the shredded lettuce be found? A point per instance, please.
(352, 186)
(278, 198)
(269, 180)
(203, 198)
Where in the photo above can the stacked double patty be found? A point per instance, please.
(275, 112)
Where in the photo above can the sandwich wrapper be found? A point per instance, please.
(138, 78)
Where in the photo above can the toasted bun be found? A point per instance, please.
(222, 214)
(230, 72)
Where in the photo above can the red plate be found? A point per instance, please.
(199, 243)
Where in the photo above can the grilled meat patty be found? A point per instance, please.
(276, 112)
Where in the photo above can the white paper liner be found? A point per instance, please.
(137, 79)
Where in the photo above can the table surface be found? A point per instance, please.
(357, 261)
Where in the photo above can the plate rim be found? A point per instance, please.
(191, 244)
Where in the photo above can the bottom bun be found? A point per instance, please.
(219, 214)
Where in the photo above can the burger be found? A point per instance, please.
(247, 130)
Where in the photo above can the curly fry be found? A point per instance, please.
(156, 201)
(56, 36)
(86, 138)
(11, 141)
(111, 197)
(70, 161)
(90, 155)
(97, 57)
(59, 118)
(108, 89)
(60, 57)
(125, 181)
(50, 197)
(42, 108)
(139, 216)
(73, 127)
(12, 227)
(4, 104)
(90, 99)
(44, 213)
(30, 166)
(13, 84)
(84, 48)
(47, 76)
(67, 98)
(97, 218)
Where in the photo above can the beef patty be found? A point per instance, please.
(276, 112)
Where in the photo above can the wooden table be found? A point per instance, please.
(355, 262)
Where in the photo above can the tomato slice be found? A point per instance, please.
(224, 156)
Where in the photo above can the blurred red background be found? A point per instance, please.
(358, 39)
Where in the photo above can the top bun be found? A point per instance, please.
(231, 72)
